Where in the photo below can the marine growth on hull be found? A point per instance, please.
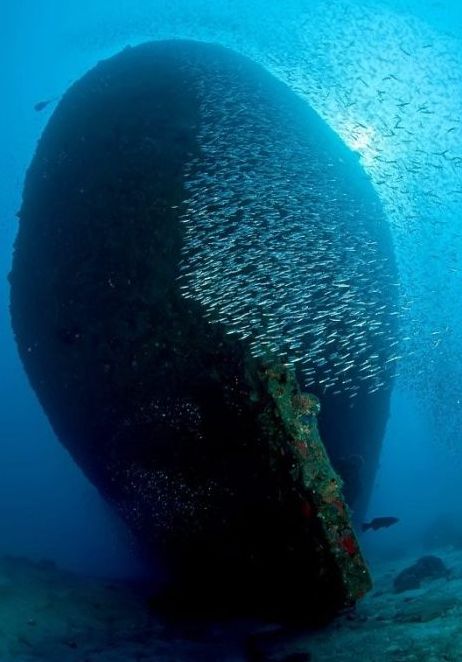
(203, 278)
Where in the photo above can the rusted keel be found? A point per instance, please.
(319, 486)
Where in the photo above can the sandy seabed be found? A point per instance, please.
(52, 615)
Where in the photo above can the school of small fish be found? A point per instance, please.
(387, 76)
(279, 248)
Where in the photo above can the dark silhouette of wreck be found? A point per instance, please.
(211, 452)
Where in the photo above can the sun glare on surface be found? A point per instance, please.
(359, 138)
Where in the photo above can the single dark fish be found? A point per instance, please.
(379, 523)
(43, 104)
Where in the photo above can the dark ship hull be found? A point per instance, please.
(151, 362)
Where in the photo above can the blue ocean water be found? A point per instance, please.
(387, 78)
